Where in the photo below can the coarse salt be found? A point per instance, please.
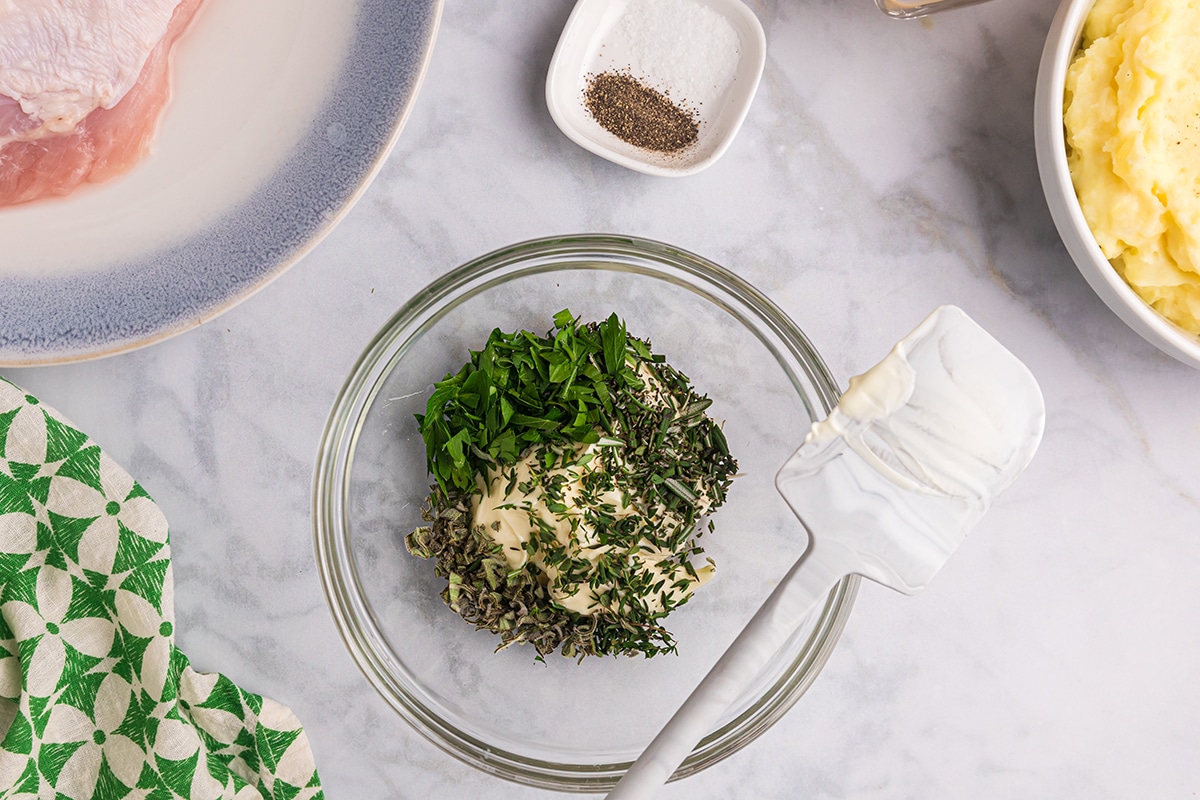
(680, 47)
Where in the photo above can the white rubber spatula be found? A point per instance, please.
(888, 486)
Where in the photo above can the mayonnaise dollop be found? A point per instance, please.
(512, 501)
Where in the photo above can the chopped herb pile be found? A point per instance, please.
(604, 453)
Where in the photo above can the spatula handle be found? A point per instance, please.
(805, 585)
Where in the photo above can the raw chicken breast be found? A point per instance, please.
(82, 87)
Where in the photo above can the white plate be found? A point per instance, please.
(283, 111)
(593, 42)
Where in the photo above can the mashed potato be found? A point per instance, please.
(1132, 115)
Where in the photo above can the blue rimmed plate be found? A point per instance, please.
(283, 111)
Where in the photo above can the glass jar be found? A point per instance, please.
(903, 9)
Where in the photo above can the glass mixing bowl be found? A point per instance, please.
(561, 724)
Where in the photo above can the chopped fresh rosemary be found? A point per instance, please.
(572, 472)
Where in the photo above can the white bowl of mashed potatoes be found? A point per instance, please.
(1117, 131)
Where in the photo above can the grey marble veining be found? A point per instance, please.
(884, 168)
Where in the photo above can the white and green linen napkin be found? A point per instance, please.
(96, 702)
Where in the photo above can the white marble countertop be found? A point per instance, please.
(884, 168)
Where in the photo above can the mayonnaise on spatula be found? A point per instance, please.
(887, 485)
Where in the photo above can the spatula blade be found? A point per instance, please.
(916, 451)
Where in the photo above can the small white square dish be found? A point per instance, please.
(692, 62)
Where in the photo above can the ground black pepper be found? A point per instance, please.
(638, 114)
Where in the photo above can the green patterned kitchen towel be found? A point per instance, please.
(96, 702)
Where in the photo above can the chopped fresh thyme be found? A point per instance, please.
(572, 472)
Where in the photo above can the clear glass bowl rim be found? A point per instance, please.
(335, 562)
